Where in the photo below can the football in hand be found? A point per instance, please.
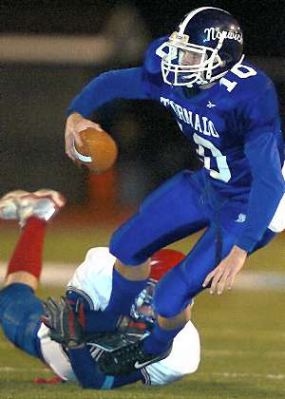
(98, 152)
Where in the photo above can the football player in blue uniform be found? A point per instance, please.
(228, 109)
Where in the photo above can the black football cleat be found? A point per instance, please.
(128, 359)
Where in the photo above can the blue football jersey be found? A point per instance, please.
(220, 121)
(234, 126)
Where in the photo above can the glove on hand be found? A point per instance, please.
(66, 325)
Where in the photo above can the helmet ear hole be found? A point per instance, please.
(226, 57)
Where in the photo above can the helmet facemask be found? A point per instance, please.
(184, 63)
(142, 309)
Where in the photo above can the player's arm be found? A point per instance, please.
(67, 328)
(267, 188)
(262, 149)
(89, 375)
(124, 83)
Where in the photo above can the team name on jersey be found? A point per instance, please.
(200, 123)
(214, 34)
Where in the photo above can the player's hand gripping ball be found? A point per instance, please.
(98, 152)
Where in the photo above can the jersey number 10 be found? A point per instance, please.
(241, 71)
(223, 172)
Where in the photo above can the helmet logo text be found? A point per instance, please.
(215, 33)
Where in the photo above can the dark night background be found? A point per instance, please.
(36, 95)
(262, 21)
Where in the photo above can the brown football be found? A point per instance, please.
(98, 152)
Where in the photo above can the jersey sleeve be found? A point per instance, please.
(89, 375)
(130, 83)
(92, 280)
(140, 83)
(262, 149)
(183, 359)
(261, 110)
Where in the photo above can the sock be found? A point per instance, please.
(123, 294)
(160, 339)
(27, 255)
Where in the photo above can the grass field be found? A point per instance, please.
(69, 245)
(242, 334)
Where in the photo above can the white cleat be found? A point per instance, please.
(20, 205)
(9, 204)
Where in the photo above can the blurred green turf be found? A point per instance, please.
(243, 356)
(243, 339)
(70, 244)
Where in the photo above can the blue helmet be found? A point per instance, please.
(207, 43)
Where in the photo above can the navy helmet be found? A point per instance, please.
(207, 43)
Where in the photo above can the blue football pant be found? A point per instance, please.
(20, 312)
(183, 205)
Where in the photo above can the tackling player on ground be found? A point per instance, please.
(228, 109)
(66, 344)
